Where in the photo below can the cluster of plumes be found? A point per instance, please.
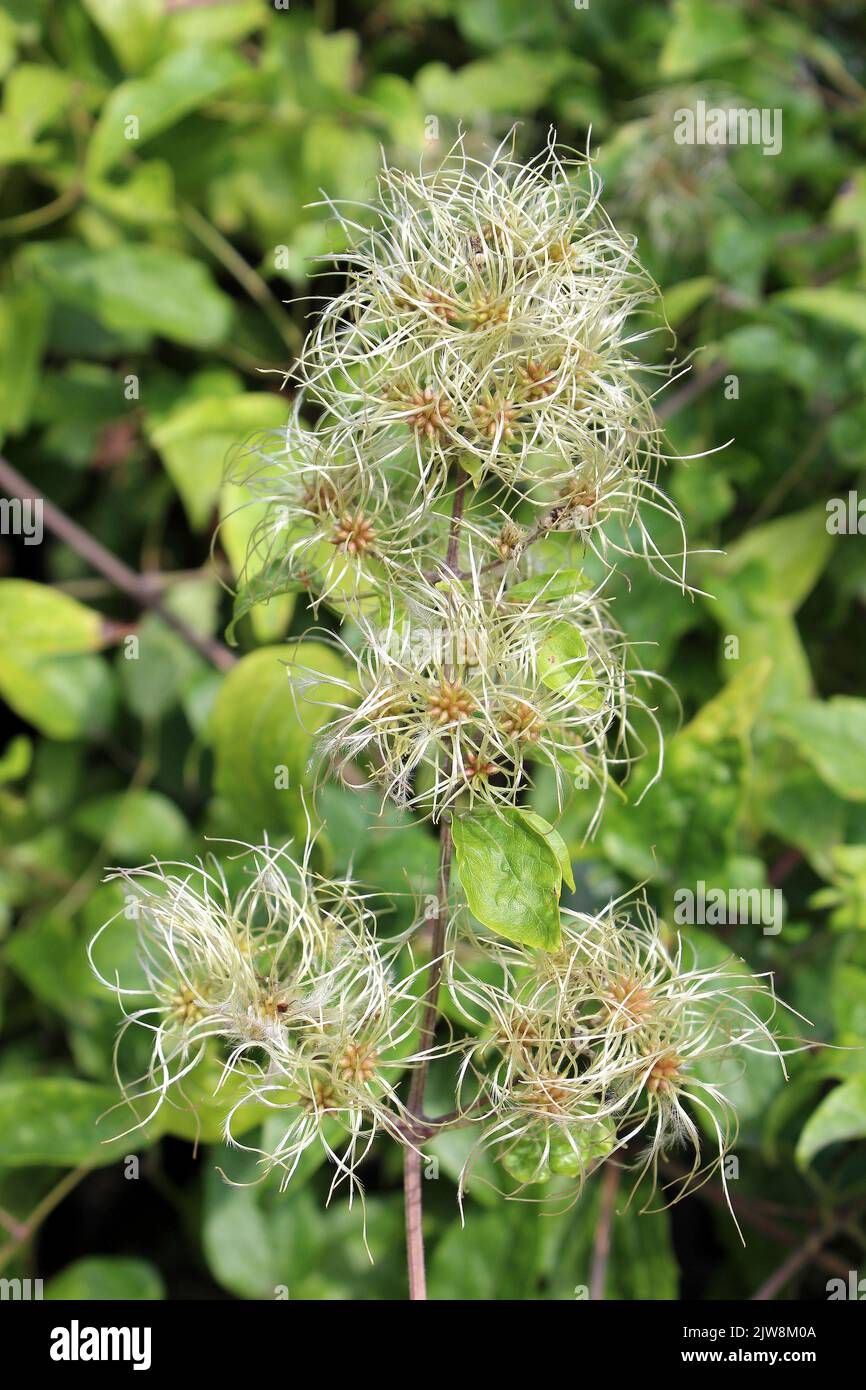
(459, 693)
(283, 996)
(612, 1045)
(487, 324)
(487, 314)
(285, 985)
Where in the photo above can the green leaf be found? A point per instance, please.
(15, 759)
(271, 612)
(564, 666)
(61, 1122)
(44, 635)
(701, 33)
(180, 83)
(38, 621)
(841, 1115)
(265, 719)
(132, 27)
(133, 825)
(831, 736)
(510, 875)
(106, 1279)
(682, 299)
(237, 1240)
(841, 308)
(260, 590)
(475, 1263)
(560, 584)
(135, 287)
(197, 438)
(23, 317)
(554, 839)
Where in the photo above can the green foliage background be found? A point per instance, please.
(165, 260)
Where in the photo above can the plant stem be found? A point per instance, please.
(26, 1230)
(411, 1155)
(247, 277)
(601, 1246)
(414, 1231)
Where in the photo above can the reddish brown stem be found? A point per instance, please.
(603, 1232)
(411, 1156)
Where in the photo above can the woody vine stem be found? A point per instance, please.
(411, 1155)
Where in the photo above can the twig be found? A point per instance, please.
(695, 386)
(138, 586)
(27, 1229)
(796, 1261)
(248, 278)
(601, 1244)
(766, 1225)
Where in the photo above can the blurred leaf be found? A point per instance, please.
(841, 1115)
(134, 825)
(838, 307)
(15, 759)
(475, 1262)
(135, 287)
(179, 84)
(240, 516)
(106, 1279)
(42, 632)
(196, 439)
(264, 721)
(61, 1122)
(700, 35)
(132, 27)
(23, 315)
(831, 735)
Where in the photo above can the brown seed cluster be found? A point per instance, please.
(495, 418)
(323, 1098)
(522, 722)
(186, 1006)
(631, 1001)
(486, 311)
(664, 1074)
(319, 497)
(450, 703)
(509, 540)
(354, 533)
(539, 380)
(439, 302)
(574, 510)
(357, 1065)
(548, 1093)
(477, 767)
(431, 415)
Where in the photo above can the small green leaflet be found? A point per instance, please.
(551, 587)
(511, 875)
(565, 667)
